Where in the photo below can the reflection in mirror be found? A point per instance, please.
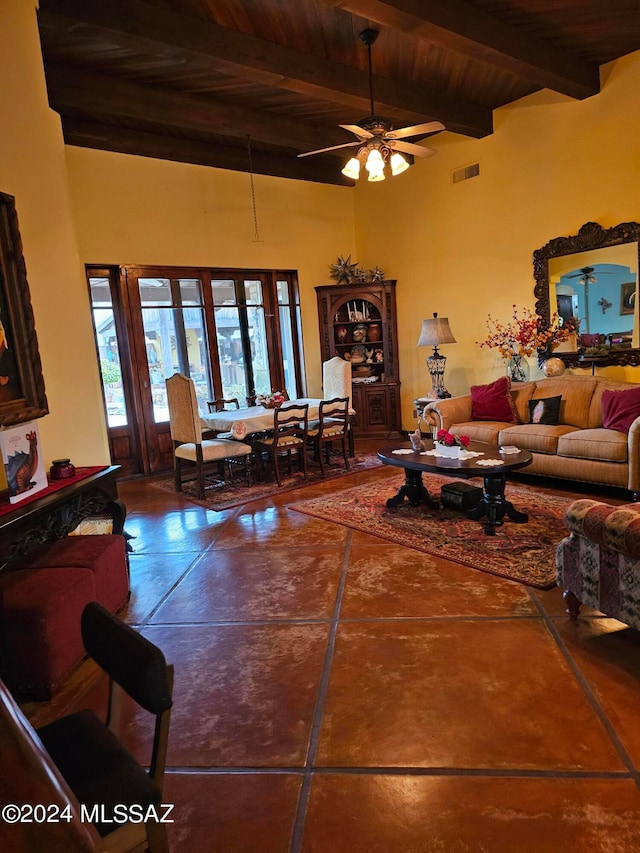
(593, 277)
(599, 289)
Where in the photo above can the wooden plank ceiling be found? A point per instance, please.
(223, 82)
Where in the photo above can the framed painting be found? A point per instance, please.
(22, 394)
(627, 297)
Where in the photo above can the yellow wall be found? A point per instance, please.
(465, 250)
(137, 210)
(32, 168)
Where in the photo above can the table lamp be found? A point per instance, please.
(434, 333)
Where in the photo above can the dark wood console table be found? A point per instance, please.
(57, 510)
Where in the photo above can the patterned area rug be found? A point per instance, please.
(520, 552)
(229, 494)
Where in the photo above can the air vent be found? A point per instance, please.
(465, 172)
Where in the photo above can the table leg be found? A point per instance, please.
(414, 491)
(494, 506)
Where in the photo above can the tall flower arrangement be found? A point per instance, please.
(523, 334)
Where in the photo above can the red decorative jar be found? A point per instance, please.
(62, 469)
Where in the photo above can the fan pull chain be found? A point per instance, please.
(256, 232)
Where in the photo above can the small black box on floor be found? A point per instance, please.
(460, 496)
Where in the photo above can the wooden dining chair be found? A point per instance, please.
(332, 428)
(89, 752)
(222, 405)
(289, 438)
(186, 435)
(336, 382)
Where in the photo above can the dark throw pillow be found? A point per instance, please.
(493, 402)
(545, 411)
(620, 409)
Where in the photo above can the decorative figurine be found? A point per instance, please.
(359, 334)
(416, 440)
(343, 270)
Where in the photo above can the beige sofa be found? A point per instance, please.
(577, 448)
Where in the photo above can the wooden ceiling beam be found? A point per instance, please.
(104, 137)
(96, 93)
(461, 27)
(156, 31)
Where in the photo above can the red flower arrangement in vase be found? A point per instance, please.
(450, 444)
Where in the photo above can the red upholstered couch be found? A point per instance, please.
(41, 600)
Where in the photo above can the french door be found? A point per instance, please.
(235, 333)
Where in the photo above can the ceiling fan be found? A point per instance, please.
(586, 275)
(378, 141)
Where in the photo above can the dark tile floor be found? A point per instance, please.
(335, 692)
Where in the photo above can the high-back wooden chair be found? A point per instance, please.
(289, 438)
(88, 752)
(332, 428)
(336, 382)
(186, 434)
(222, 405)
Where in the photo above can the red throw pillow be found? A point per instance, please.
(493, 402)
(620, 409)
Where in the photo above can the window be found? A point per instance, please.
(173, 321)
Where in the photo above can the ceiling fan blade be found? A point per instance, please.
(410, 148)
(359, 131)
(415, 130)
(331, 148)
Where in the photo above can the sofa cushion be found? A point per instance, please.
(605, 445)
(521, 393)
(536, 438)
(545, 410)
(486, 431)
(620, 409)
(576, 393)
(493, 402)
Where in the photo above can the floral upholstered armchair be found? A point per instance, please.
(598, 564)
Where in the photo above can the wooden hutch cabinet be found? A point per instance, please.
(358, 323)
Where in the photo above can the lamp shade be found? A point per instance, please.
(352, 169)
(435, 332)
(398, 164)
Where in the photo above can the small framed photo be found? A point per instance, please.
(628, 297)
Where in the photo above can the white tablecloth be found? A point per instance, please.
(255, 418)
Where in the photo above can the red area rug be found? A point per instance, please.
(520, 552)
(229, 494)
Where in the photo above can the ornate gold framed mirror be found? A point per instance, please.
(592, 277)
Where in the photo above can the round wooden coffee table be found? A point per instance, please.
(493, 507)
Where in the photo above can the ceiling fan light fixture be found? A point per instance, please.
(352, 169)
(376, 176)
(375, 161)
(398, 164)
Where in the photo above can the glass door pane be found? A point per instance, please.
(258, 337)
(229, 341)
(286, 339)
(241, 338)
(108, 351)
(175, 338)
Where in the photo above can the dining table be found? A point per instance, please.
(252, 419)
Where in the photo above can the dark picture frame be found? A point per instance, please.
(627, 297)
(22, 392)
